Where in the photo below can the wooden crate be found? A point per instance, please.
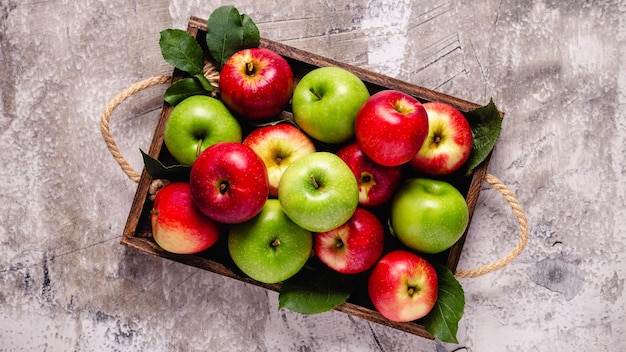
(137, 232)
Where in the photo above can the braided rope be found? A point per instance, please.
(209, 71)
(105, 117)
(496, 184)
(213, 75)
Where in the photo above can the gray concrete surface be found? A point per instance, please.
(556, 69)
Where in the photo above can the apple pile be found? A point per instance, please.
(317, 170)
(287, 192)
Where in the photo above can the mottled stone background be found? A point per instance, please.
(555, 67)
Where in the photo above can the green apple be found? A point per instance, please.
(197, 123)
(428, 215)
(318, 191)
(325, 103)
(270, 247)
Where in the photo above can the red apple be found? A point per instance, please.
(448, 144)
(278, 146)
(377, 183)
(353, 247)
(229, 182)
(256, 83)
(403, 286)
(177, 225)
(391, 127)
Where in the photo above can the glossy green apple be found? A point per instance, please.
(197, 123)
(318, 191)
(270, 247)
(325, 103)
(428, 215)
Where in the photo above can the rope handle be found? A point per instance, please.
(210, 72)
(493, 181)
(105, 117)
(496, 184)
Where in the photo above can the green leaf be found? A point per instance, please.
(224, 33)
(251, 35)
(443, 320)
(204, 82)
(314, 291)
(182, 89)
(486, 124)
(181, 50)
(228, 32)
(157, 170)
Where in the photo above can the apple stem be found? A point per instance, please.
(199, 148)
(338, 243)
(249, 68)
(314, 93)
(366, 178)
(276, 243)
(437, 139)
(403, 107)
(411, 291)
(224, 186)
(314, 182)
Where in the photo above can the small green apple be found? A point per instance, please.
(428, 215)
(197, 123)
(270, 247)
(318, 191)
(325, 103)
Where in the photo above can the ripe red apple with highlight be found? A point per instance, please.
(353, 247)
(391, 127)
(448, 144)
(229, 182)
(403, 286)
(278, 146)
(377, 183)
(256, 83)
(177, 225)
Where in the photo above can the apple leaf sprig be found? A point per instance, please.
(486, 124)
(182, 51)
(228, 31)
(443, 320)
(313, 291)
(157, 170)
